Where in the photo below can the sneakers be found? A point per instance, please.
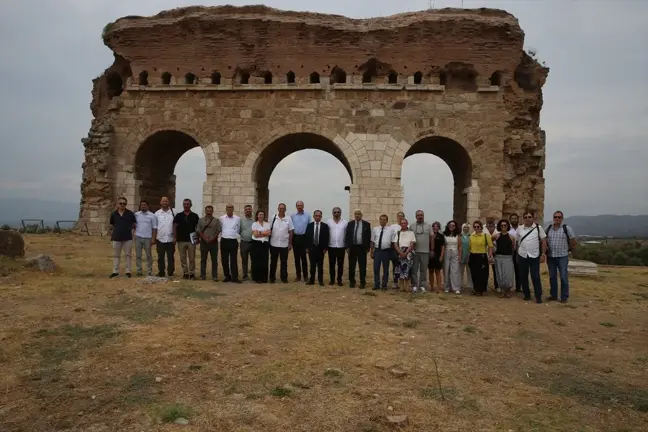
(422, 289)
(113, 275)
(458, 292)
(447, 291)
(414, 289)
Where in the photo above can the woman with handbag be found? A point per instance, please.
(481, 257)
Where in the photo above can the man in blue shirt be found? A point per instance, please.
(146, 223)
(122, 224)
(300, 220)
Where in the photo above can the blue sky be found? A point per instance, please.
(596, 103)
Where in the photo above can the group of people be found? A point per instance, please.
(421, 256)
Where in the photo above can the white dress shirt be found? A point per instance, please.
(395, 229)
(337, 232)
(146, 223)
(231, 226)
(164, 225)
(530, 247)
(281, 227)
(388, 236)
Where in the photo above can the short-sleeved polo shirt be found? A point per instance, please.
(185, 225)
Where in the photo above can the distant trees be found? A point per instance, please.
(626, 253)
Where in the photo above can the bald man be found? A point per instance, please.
(163, 238)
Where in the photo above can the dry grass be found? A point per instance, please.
(80, 352)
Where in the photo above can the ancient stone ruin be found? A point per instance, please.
(251, 85)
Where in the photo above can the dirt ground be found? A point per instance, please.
(80, 352)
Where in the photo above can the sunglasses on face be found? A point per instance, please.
(476, 226)
(558, 217)
(336, 212)
(528, 217)
(122, 203)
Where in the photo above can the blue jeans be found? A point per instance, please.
(381, 259)
(530, 265)
(558, 264)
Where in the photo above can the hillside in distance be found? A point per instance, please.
(609, 225)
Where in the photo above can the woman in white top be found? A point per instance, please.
(404, 246)
(260, 247)
(394, 258)
(451, 259)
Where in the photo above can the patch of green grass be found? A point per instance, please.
(195, 367)
(470, 329)
(171, 413)
(594, 390)
(607, 324)
(138, 309)
(438, 393)
(9, 266)
(281, 392)
(410, 323)
(139, 389)
(191, 292)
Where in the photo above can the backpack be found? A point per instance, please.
(569, 248)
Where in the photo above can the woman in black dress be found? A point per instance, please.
(435, 266)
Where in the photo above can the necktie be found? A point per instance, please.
(380, 238)
(317, 234)
(355, 233)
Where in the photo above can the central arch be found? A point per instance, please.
(155, 162)
(284, 146)
(460, 164)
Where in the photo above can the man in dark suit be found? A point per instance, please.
(317, 241)
(358, 241)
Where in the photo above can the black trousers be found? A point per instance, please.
(316, 257)
(336, 256)
(229, 258)
(259, 257)
(357, 255)
(167, 249)
(299, 251)
(282, 255)
(212, 250)
(516, 267)
(479, 267)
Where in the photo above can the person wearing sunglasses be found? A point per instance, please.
(560, 241)
(122, 225)
(531, 241)
(481, 255)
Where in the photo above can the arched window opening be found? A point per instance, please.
(444, 163)
(190, 78)
(392, 78)
(115, 84)
(443, 78)
(166, 78)
(461, 76)
(314, 78)
(157, 167)
(216, 78)
(267, 77)
(338, 76)
(496, 79)
(418, 78)
(291, 169)
(143, 78)
(245, 78)
(367, 77)
(290, 77)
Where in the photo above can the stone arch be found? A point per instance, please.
(449, 149)
(260, 165)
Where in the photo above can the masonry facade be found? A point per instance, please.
(351, 88)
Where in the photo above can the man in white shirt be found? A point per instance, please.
(281, 240)
(336, 250)
(146, 223)
(514, 221)
(231, 228)
(531, 241)
(381, 251)
(163, 238)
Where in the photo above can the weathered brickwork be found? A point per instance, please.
(474, 104)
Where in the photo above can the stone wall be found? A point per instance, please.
(479, 111)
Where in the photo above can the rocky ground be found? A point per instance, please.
(80, 352)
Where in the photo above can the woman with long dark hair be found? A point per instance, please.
(505, 247)
(435, 265)
(452, 258)
(260, 247)
(481, 254)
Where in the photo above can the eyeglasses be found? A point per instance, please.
(122, 203)
(476, 226)
(528, 217)
(558, 217)
(337, 212)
